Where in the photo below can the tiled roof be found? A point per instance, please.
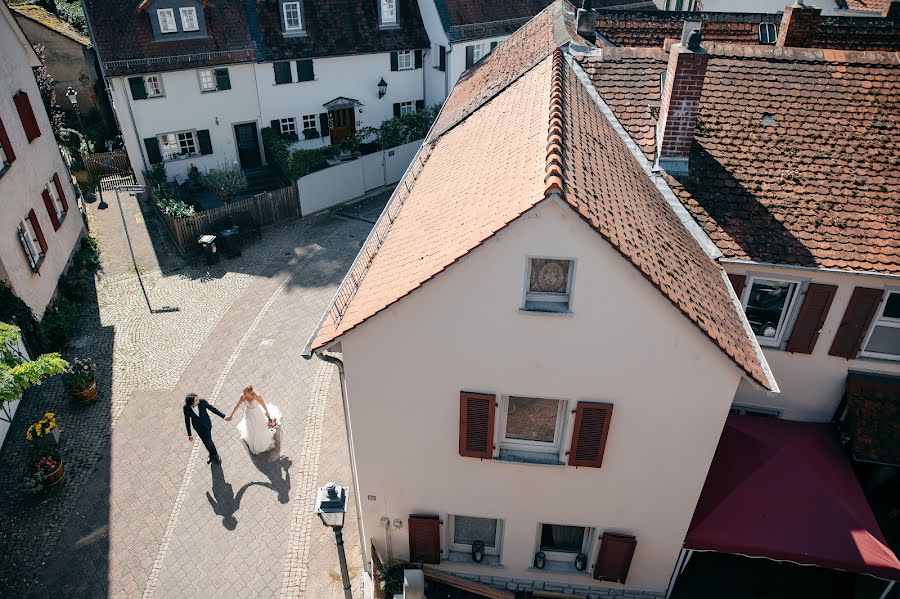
(124, 38)
(40, 15)
(475, 19)
(796, 155)
(872, 5)
(340, 27)
(484, 171)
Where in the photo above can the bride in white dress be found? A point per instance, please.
(254, 426)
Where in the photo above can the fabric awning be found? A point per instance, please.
(785, 491)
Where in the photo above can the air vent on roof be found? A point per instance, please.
(768, 33)
(768, 119)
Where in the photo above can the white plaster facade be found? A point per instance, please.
(812, 385)
(623, 343)
(22, 181)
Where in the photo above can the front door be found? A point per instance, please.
(342, 123)
(247, 145)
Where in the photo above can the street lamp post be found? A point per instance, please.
(331, 506)
(72, 95)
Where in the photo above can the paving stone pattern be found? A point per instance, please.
(126, 455)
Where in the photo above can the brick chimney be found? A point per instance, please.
(680, 102)
(586, 21)
(799, 25)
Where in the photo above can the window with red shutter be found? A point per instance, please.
(61, 193)
(7, 154)
(26, 115)
(476, 425)
(614, 557)
(589, 434)
(424, 539)
(32, 218)
(51, 209)
(811, 318)
(855, 324)
(737, 281)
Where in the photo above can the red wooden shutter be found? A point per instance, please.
(424, 539)
(476, 425)
(855, 324)
(26, 115)
(51, 209)
(589, 437)
(32, 217)
(7, 147)
(737, 281)
(62, 194)
(812, 317)
(614, 557)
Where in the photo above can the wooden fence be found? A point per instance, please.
(105, 164)
(377, 572)
(266, 208)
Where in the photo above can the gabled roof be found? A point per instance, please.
(40, 15)
(482, 168)
(475, 19)
(795, 159)
(878, 6)
(339, 27)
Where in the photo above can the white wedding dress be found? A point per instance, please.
(254, 426)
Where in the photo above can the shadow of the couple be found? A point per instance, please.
(225, 502)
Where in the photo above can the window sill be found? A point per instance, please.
(389, 26)
(541, 310)
(559, 568)
(295, 34)
(462, 557)
(534, 458)
(874, 360)
(36, 269)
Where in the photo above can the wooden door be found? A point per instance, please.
(342, 123)
(247, 145)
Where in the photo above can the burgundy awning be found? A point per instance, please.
(785, 490)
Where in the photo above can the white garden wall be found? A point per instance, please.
(343, 182)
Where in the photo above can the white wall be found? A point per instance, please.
(456, 60)
(438, 83)
(812, 385)
(623, 343)
(338, 184)
(22, 183)
(184, 107)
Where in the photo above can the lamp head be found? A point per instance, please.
(382, 88)
(331, 505)
(72, 95)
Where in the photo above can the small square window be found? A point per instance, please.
(768, 33)
(883, 340)
(289, 126)
(153, 85)
(532, 429)
(189, 18)
(54, 195)
(407, 107)
(465, 531)
(293, 20)
(561, 544)
(549, 285)
(166, 18)
(769, 303)
(207, 80)
(405, 60)
(388, 12)
(178, 145)
(310, 122)
(478, 52)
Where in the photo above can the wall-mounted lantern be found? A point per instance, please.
(382, 88)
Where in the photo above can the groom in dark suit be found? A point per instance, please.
(196, 414)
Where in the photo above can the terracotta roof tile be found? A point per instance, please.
(873, 5)
(796, 152)
(41, 15)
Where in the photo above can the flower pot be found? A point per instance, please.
(48, 439)
(87, 394)
(54, 477)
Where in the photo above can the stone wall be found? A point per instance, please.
(587, 590)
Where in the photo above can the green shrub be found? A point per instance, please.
(225, 180)
(59, 323)
(14, 310)
(88, 257)
(166, 194)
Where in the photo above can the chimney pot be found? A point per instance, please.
(586, 22)
(694, 40)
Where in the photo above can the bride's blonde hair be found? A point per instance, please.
(248, 390)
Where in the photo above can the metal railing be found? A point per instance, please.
(459, 29)
(236, 55)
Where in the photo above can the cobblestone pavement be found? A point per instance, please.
(140, 513)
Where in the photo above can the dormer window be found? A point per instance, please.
(189, 19)
(388, 12)
(768, 33)
(293, 19)
(166, 18)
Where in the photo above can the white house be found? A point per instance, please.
(194, 83)
(539, 343)
(41, 222)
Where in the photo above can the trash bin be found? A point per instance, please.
(229, 240)
(208, 243)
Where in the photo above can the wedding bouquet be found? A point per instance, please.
(273, 423)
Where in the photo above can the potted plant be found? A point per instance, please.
(80, 379)
(50, 467)
(310, 133)
(44, 432)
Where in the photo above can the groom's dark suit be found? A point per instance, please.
(202, 424)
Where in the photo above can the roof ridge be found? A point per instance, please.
(553, 179)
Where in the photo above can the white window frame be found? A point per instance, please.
(310, 121)
(3, 157)
(385, 8)
(467, 548)
(478, 52)
(32, 247)
(564, 556)
(154, 90)
(540, 297)
(285, 125)
(166, 17)
(407, 108)
(192, 16)
(767, 25)
(284, 12)
(57, 204)
(748, 410)
(178, 142)
(406, 60)
(881, 321)
(788, 314)
(210, 75)
(554, 447)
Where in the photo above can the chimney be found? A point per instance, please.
(586, 21)
(799, 25)
(892, 10)
(680, 103)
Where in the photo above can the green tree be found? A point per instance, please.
(18, 374)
